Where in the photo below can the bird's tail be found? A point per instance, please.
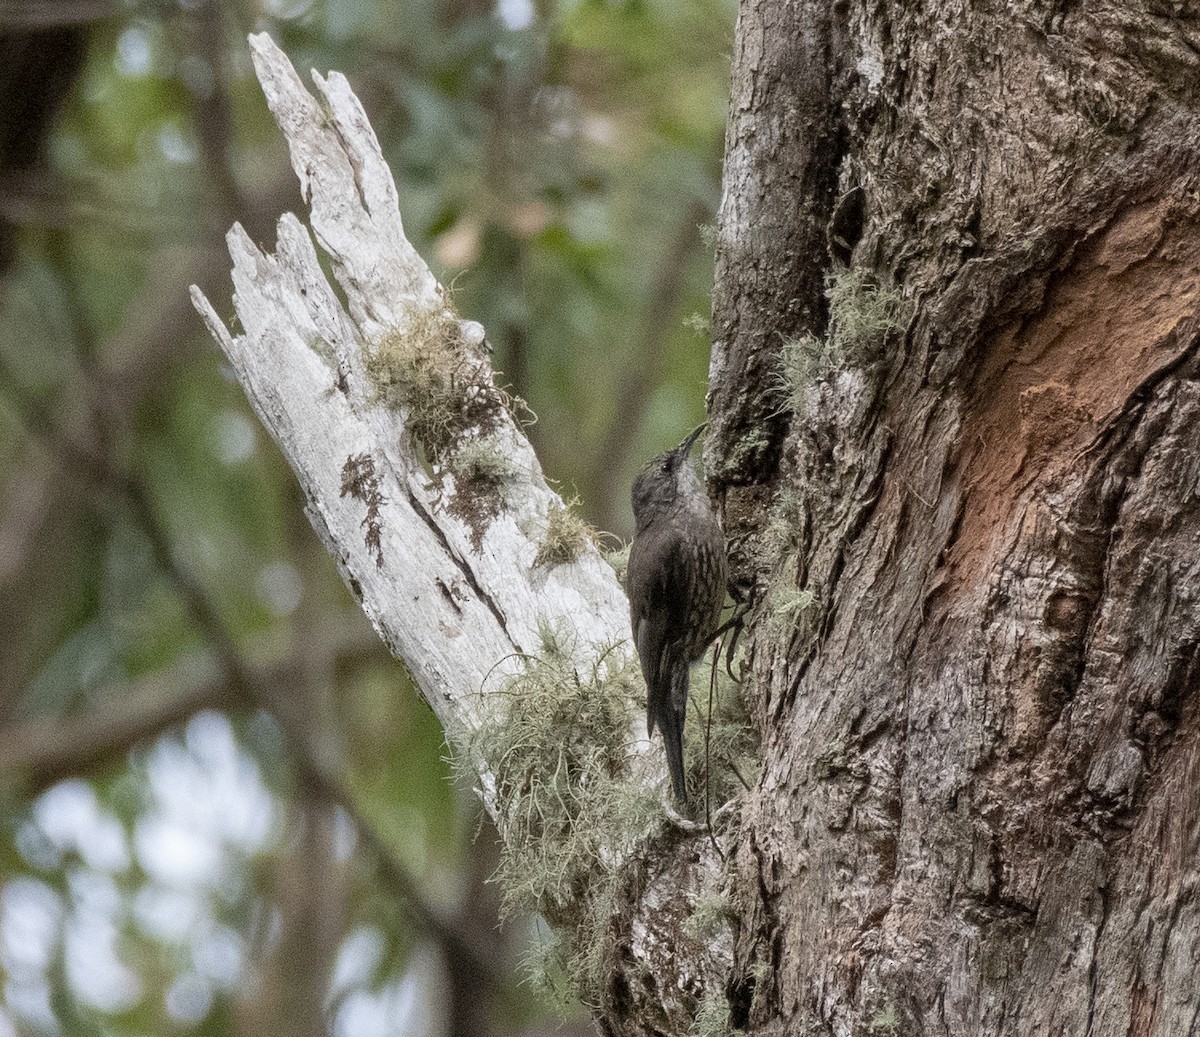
(671, 712)
(667, 702)
(670, 722)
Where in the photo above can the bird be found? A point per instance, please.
(676, 582)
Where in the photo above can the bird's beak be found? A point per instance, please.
(685, 447)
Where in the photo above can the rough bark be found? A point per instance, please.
(783, 143)
(977, 811)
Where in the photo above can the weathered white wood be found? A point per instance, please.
(463, 605)
(457, 608)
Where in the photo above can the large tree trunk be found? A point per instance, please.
(979, 807)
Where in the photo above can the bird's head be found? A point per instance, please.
(663, 480)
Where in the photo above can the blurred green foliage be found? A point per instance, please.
(556, 164)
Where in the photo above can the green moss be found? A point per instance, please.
(885, 1023)
(572, 814)
(711, 913)
(712, 1017)
(452, 410)
(543, 966)
(862, 314)
(415, 370)
(782, 533)
(483, 460)
(732, 761)
(619, 560)
(751, 444)
(788, 605)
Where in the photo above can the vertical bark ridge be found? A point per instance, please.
(784, 146)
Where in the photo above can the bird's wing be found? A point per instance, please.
(660, 582)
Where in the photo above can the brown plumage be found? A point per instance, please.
(676, 582)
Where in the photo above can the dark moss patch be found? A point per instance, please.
(360, 481)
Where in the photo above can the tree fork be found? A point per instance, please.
(974, 652)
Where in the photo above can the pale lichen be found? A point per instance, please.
(566, 536)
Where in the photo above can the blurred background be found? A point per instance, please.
(223, 809)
